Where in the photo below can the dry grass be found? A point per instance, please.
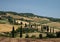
(7, 27)
(54, 24)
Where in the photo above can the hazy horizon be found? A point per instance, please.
(49, 8)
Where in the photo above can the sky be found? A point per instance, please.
(49, 8)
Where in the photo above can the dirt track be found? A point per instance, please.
(3, 39)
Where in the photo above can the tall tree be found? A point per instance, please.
(13, 32)
(21, 32)
(53, 29)
(47, 28)
(10, 19)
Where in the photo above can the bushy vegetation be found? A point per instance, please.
(22, 19)
(2, 13)
(26, 30)
(40, 36)
(33, 36)
(21, 14)
(10, 19)
(50, 35)
(21, 30)
(27, 36)
(58, 34)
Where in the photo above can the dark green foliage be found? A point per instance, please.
(13, 32)
(20, 30)
(53, 19)
(26, 30)
(33, 36)
(2, 13)
(10, 19)
(27, 36)
(21, 14)
(26, 14)
(5, 34)
(22, 19)
(40, 36)
(58, 34)
(10, 12)
(49, 35)
(47, 28)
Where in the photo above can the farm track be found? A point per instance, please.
(4, 39)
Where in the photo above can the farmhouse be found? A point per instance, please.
(18, 21)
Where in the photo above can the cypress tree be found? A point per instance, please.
(13, 32)
(47, 29)
(40, 36)
(21, 32)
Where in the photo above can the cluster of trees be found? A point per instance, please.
(50, 18)
(22, 19)
(2, 13)
(21, 14)
(13, 33)
(27, 30)
(10, 19)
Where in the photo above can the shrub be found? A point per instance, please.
(40, 36)
(49, 35)
(58, 34)
(33, 36)
(26, 30)
(27, 36)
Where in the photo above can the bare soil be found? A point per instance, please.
(4, 39)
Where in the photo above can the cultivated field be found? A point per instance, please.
(7, 27)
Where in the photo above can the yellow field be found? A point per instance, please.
(7, 27)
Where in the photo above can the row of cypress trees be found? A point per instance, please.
(13, 32)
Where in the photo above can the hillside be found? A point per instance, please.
(25, 18)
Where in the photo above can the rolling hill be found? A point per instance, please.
(25, 18)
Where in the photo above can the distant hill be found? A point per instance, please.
(29, 15)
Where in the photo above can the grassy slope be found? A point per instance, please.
(7, 27)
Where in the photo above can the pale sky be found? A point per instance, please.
(50, 8)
